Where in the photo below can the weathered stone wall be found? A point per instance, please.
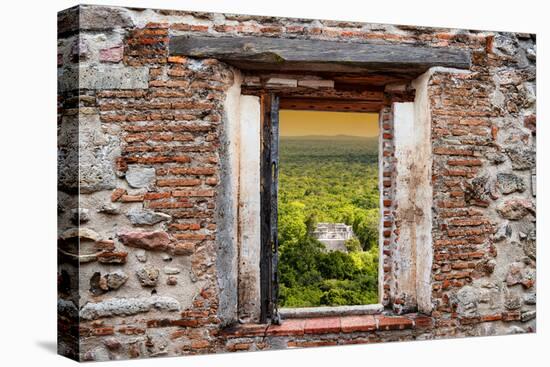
(145, 250)
(483, 138)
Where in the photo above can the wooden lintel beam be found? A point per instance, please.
(325, 104)
(322, 93)
(263, 53)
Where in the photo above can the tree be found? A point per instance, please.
(353, 245)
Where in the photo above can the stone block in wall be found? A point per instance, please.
(103, 77)
(97, 155)
(140, 177)
(102, 18)
(114, 77)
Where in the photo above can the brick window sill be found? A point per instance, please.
(332, 325)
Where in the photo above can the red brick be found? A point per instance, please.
(177, 59)
(178, 182)
(393, 323)
(475, 122)
(467, 232)
(456, 194)
(200, 344)
(117, 194)
(452, 151)
(469, 222)
(244, 330)
(190, 236)
(189, 27)
(458, 172)
(358, 323)
(271, 29)
(183, 248)
(131, 198)
(159, 323)
(192, 171)
(185, 226)
(530, 122)
(294, 29)
(112, 118)
(511, 316)
(156, 195)
(355, 341)
(191, 105)
(287, 328)
(112, 257)
(238, 347)
(178, 334)
(105, 245)
(185, 323)
(422, 322)
(470, 320)
(159, 159)
(495, 317)
(321, 325)
(103, 331)
(169, 205)
(199, 193)
(130, 330)
(459, 132)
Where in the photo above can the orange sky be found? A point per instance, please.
(299, 123)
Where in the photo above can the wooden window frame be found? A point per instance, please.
(269, 159)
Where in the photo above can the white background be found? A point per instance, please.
(28, 182)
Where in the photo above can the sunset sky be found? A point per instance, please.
(300, 123)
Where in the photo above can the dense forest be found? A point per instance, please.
(328, 179)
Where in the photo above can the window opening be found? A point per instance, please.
(328, 208)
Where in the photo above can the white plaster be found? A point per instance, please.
(414, 251)
(404, 256)
(424, 193)
(227, 202)
(249, 210)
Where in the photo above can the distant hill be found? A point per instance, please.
(342, 148)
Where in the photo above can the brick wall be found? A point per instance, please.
(389, 232)
(138, 225)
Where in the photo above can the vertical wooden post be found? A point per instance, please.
(268, 201)
(274, 207)
(265, 203)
